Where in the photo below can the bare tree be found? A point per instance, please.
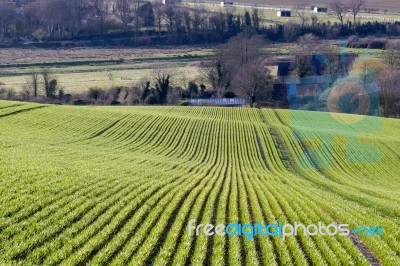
(123, 10)
(169, 14)
(308, 42)
(300, 9)
(178, 23)
(187, 20)
(46, 75)
(78, 8)
(31, 16)
(251, 80)
(199, 19)
(339, 10)
(307, 45)
(389, 91)
(218, 75)
(101, 9)
(173, 96)
(58, 15)
(7, 15)
(11, 93)
(332, 64)
(135, 9)
(355, 7)
(391, 56)
(314, 20)
(50, 83)
(256, 19)
(242, 49)
(231, 62)
(291, 31)
(33, 83)
(183, 81)
(134, 96)
(158, 13)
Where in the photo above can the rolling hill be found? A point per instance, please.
(119, 185)
(389, 5)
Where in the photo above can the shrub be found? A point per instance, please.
(10, 94)
(376, 44)
(80, 102)
(152, 99)
(95, 94)
(229, 94)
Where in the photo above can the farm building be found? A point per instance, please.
(279, 92)
(320, 9)
(171, 2)
(218, 102)
(224, 4)
(288, 85)
(311, 86)
(284, 13)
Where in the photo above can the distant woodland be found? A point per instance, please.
(139, 22)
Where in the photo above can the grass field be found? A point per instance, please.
(390, 5)
(118, 185)
(268, 10)
(79, 69)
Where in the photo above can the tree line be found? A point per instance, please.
(344, 72)
(155, 23)
(238, 68)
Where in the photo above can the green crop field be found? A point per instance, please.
(119, 185)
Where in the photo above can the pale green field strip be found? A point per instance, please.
(119, 185)
(78, 78)
(80, 82)
(269, 15)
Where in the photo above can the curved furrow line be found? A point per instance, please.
(35, 213)
(123, 207)
(124, 224)
(53, 225)
(305, 173)
(333, 243)
(355, 196)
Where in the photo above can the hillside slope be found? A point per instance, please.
(389, 5)
(120, 184)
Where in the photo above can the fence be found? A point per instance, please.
(218, 101)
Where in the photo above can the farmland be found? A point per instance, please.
(118, 185)
(386, 12)
(81, 68)
(391, 5)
